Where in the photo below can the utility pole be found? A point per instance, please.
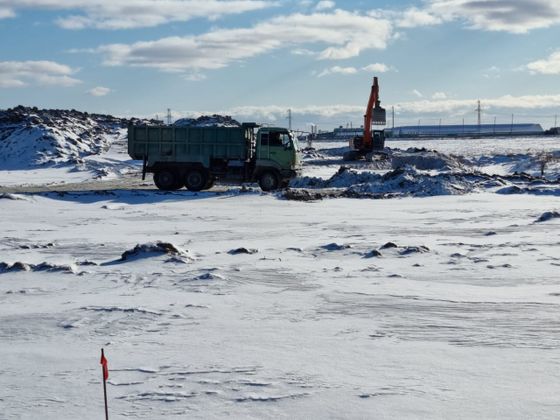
(479, 112)
(393, 117)
(494, 125)
(290, 119)
(168, 116)
(440, 127)
(419, 127)
(556, 120)
(511, 130)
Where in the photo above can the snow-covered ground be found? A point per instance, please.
(239, 304)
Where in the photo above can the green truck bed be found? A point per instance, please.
(190, 144)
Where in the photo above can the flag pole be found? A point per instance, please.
(105, 374)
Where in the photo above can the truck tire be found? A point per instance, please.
(268, 181)
(196, 179)
(209, 183)
(166, 180)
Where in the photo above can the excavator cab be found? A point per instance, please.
(378, 140)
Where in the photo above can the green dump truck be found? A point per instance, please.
(196, 157)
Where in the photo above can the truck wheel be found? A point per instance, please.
(209, 183)
(166, 180)
(268, 181)
(196, 179)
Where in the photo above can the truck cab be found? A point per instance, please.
(277, 157)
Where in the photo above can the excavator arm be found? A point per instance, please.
(375, 115)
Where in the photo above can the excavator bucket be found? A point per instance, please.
(379, 115)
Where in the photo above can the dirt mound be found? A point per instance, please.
(44, 266)
(424, 159)
(208, 121)
(14, 197)
(407, 181)
(31, 136)
(153, 249)
(548, 215)
(242, 250)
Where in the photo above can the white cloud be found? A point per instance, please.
(6, 13)
(439, 95)
(10, 82)
(507, 102)
(278, 113)
(325, 5)
(550, 65)
(194, 77)
(448, 109)
(375, 68)
(414, 17)
(343, 33)
(126, 14)
(338, 70)
(417, 93)
(303, 51)
(519, 16)
(43, 73)
(99, 91)
(492, 72)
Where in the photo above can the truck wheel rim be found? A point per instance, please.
(166, 179)
(268, 181)
(194, 179)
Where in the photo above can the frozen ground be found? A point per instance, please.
(253, 306)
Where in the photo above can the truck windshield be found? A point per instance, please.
(285, 139)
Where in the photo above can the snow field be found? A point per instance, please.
(464, 325)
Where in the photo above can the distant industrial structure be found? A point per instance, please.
(340, 133)
(434, 131)
(461, 130)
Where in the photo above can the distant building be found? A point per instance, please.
(474, 130)
(341, 133)
(483, 130)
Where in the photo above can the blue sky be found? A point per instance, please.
(254, 59)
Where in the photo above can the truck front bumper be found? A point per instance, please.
(291, 173)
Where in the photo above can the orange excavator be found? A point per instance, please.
(373, 141)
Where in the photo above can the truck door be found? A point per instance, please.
(277, 146)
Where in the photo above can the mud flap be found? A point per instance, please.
(144, 165)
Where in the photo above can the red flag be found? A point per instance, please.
(104, 364)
